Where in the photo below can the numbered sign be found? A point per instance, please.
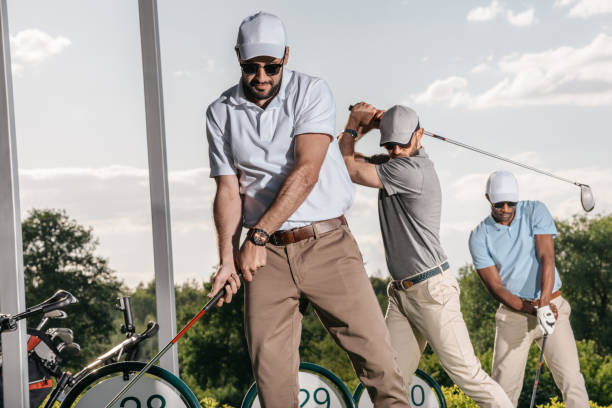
(424, 393)
(148, 392)
(319, 388)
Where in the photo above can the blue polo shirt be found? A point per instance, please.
(512, 248)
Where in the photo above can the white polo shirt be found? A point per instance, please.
(257, 145)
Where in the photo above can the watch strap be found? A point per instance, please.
(351, 132)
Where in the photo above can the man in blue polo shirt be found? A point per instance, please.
(514, 255)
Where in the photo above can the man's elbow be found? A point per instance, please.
(349, 162)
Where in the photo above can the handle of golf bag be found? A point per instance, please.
(126, 307)
(7, 323)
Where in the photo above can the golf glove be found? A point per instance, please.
(546, 319)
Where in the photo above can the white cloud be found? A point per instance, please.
(589, 8)
(562, 76)
(488, 13)
(115, 201)
(17, 70)
(563, 3)
(480, 68)
(33, 46)
(496, 10)
(522, 19)
(451, 90)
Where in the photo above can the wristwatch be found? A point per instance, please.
(351, 132)
(258, 236)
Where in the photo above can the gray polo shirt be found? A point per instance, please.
(409, 208)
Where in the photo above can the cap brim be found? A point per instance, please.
(499, 197)
(399, 138)
(248, 51)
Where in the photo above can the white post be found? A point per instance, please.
(12, 292)
(158, 181)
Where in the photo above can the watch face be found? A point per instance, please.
(259, 237)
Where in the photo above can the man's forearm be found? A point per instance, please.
(227, 214)
(292, 194)
(347, 146)
(548, 280)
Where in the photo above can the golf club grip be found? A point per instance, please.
(351, 107)
(218, 296)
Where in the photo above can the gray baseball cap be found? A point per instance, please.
(262, 34)
(398, 124)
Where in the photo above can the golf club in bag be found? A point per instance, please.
(168, 346)
(586, 194)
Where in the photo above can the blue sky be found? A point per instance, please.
(528, 80)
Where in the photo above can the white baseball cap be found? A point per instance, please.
(502, 186)
(398, 124)
(262, 34)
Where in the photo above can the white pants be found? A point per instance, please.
(515, 332)
(429, 312)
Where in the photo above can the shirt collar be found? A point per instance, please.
(239, 98)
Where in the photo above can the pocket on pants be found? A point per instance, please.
(436, 290)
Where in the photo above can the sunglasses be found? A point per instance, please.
(251, 68)
(500, 204)
(391, 146)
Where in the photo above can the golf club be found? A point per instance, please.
(53, 314)
(184, 330)
(71, 349)
(537, 379)
(586, 194)
(64, 334)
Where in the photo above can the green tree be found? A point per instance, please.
(584, 258)
(59, 253)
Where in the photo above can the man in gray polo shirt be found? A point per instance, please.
(424, 294)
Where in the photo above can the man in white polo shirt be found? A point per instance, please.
(279, 173)
(424, 294)
(514, 254)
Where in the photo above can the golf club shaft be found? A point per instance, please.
(537, 379)
(159, 355)
(477, 150)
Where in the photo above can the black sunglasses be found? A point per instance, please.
(500, 204)
(250, 68)
(391, 146)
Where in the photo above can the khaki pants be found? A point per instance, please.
(429, 312)
(329, 272)
(513, 337)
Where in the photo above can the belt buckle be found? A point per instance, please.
(403, 284)
(407, 284)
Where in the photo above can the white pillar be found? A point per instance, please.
(12, 293)
(158, 181)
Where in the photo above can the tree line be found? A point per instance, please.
(60, 253)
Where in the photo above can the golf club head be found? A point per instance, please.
(69, 349)
(56, 314)
(586, 198)
(62, 333)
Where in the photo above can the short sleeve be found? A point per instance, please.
(542, 222)
(318, 113)
(481, 258)
(219, 147)
(401, 176)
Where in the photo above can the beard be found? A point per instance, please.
(253, 94)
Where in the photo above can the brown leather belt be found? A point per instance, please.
(313, 230)
(536, 303)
